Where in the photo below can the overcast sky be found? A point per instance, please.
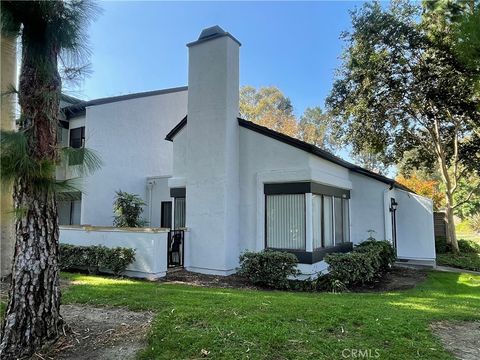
(140, 46)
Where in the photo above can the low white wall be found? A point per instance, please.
(150, 246)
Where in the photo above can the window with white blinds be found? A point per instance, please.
(179, 213)
(330, 221)
(285, 221)
(317, 221)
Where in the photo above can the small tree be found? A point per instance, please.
(128, 209)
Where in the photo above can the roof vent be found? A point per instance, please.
(213, 31)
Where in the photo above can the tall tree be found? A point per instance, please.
(315, 128)
(268, 107)
(400, 87)
(51, 31)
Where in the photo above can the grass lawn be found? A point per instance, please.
(241, 324)
(464, 231)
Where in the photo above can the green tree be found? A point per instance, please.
(128, 209)
(268, 107)
(401, 87)
(51, 31)
(315, 128)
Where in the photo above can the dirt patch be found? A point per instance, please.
(99, 333)
(461, 338)
(399, 278)
(181, 276)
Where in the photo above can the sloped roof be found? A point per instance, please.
(302, 145)
(79, 108)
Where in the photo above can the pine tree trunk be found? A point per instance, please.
(33, 316)
(33, 312)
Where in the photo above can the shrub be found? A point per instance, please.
(367, 262)
(467, 261)
(469, 247)
(464, 246)
(441, 245)
(386, 251)
(268, 268)
(474, 222)
(95, 258)
(128, 209)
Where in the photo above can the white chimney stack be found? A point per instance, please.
(212, 183)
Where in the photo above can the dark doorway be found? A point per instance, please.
(393, 210)
(166, 216)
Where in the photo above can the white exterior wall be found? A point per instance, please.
(415, 236)
(266, 160)
(150, 246)
(212, 182)
(157, 190)
(367, 210)
(129, 137)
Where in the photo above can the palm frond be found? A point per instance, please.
(83, 161)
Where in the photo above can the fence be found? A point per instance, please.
(150, 246)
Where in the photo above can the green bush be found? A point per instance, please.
(441, 245)
(368, 261)
(386, 251)
(268, 268)
(128, 209)
(468, 247)
(467, 261)
(464, 246)
(95, 258)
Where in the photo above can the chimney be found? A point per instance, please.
(212, 181)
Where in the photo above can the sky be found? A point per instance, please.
(141, 46)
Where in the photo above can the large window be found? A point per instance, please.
(327, 221)
(285, 221)
(330, 221)
(317, 220)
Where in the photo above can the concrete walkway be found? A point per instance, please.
(456, 270)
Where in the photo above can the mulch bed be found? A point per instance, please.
(399, 278)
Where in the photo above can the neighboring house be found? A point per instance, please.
(235, 185)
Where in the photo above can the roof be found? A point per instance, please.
(79, 108)
(70, 99)
(211, 33)
(302, 145)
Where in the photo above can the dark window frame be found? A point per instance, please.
(81, 138)
(305, 187)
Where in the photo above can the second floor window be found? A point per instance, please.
(77, 137)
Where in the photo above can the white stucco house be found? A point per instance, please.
(231, 184)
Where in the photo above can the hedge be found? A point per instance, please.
(95, 258)
(367, 262)
(268, 268)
